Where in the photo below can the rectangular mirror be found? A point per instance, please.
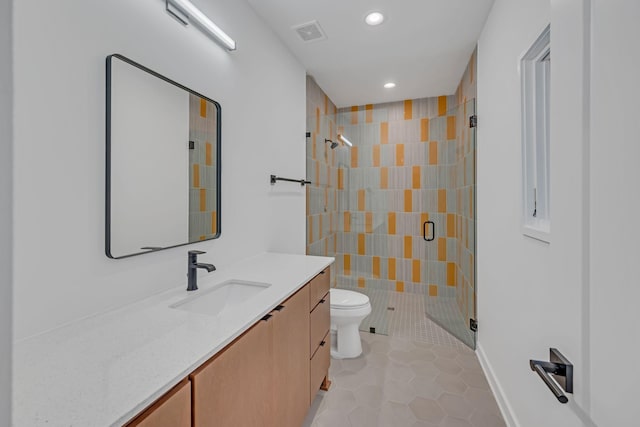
(163, 162)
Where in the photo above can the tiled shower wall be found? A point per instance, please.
(398, 175)
(322, 196)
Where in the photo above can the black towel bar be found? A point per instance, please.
(274, 178)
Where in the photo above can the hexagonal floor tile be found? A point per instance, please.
(455, 405)
(426, 410)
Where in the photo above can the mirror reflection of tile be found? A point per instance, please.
(202, 170)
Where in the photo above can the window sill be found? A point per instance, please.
(539, 232)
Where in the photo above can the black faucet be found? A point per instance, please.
(192, 269)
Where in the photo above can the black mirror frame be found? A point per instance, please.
(108, 157)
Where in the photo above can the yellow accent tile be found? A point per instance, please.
(384, 178)
(384, 133)
(399, 154)
(424, 217)
(369, 113)
(433, 153)
(354, 115)
(319, 227)
(408, 247)
(330, 223)
(368, 222)
(196, 175)
(361, 244)
(391, 269)
(326, 105)
(316, 168)
(214, 222)
(203, 108)
(451, 225)
(203, 237)
(208, 154)
(399, 286)
(347, 222)
(408, 201)
(340, 179)
(442, 200)
(451, 274)
(433, 290)
(308, 191)
(354, 157)
(415, 178)
(451, 127)
(415, 271)
(313, 145)
(375, 267)
(310, 223)
(347, 264)
(361, 201)
(391, 219)
(376, 155)
(203, 200)
(408, 109)
(361, 282)
(442, 105)
(442, 249)
(341, 130)
(317, 120)
(424, 130)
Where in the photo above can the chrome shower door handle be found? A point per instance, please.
(424, 231)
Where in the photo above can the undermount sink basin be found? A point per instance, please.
(223, 297)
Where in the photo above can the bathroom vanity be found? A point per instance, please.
(258, 360)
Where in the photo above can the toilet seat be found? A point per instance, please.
(342, 299)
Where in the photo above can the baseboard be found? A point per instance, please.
(503, 403)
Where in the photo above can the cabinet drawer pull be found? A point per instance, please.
(322, 272)
(322, 343)
(279, 307)
(266, 317)
(322, 301)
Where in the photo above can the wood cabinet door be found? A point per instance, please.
(234, 388)
(291, 360)
(172, 410)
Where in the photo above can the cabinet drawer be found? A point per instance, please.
(320, 365)
(319, 323)
(172, 410)
(318, 287)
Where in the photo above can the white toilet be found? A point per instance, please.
(348, 309)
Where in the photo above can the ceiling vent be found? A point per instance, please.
(310, 32)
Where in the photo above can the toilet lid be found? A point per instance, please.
(341, 298)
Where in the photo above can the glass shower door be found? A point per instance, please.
(448, 234)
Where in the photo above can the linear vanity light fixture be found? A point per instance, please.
(184, 11)
(344, 140)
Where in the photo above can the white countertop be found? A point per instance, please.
(104, 370)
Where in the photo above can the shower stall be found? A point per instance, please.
(397, 209)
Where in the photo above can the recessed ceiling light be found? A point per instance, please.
(374, 18)
(389, 85)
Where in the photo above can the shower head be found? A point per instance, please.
(333, 144)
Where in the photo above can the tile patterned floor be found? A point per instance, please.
(417, 317)
(402, 382)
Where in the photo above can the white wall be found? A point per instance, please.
(61, 272)
(531, 294)
(615, 176)
(6, 176)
